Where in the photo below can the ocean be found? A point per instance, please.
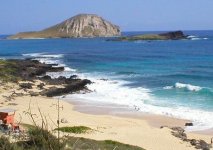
(172, 78)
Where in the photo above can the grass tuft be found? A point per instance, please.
(8, 71)
(75, 129)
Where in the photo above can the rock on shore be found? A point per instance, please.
(83, 25)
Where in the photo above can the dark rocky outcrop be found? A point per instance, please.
(30, 70)
(60, 80)
(74, 86)
(83, 25)
(26, 85)
(179, 133)
(189, 124)
(176, 35)
(33, 93)
(41, 86)
(198, 144)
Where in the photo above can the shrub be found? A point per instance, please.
(43, 139)
(5, 144)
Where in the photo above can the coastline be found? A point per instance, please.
(35, 96)
(95, 108)
(126, 129)
(154, 120)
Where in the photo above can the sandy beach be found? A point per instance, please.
(141, 130)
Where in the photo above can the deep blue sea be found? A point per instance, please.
(173, 78)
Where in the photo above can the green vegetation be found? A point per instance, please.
(39, 139)
(8, 71)
(75, 129)
(150, 37)
(43, 139)
(5, 144)
(86, 144)
(143, 37)
(174, 35)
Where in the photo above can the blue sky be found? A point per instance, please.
(130, 15)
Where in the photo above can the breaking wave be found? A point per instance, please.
(192, 37)
(187, 87)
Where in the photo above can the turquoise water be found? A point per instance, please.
(173, 78)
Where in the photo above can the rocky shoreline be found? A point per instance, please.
(30, 86)
(26, 72)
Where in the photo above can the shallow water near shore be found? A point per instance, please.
(101, 108)
(172, 78)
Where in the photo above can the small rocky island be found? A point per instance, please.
(82, 25)
(176, 35)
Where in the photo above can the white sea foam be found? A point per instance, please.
(32, 54)
(202, 119)
(168, 87)
(187, 87)
(192, 37)
(195, 38)
(66, 68)
(43, 55)
(112, 91)
(50, 59)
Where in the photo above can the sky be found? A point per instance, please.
(130, 15)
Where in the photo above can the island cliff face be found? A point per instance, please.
(83, 25)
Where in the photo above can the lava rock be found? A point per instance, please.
(193, 142)
(26, 85)
(75, 86)
(204, 145)
(177, 129)
(175, 35)
(41, 86)
(188, 124)
(33, 93)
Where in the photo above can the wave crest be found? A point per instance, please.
(187, 87)
(192, 37)
(43, 55)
